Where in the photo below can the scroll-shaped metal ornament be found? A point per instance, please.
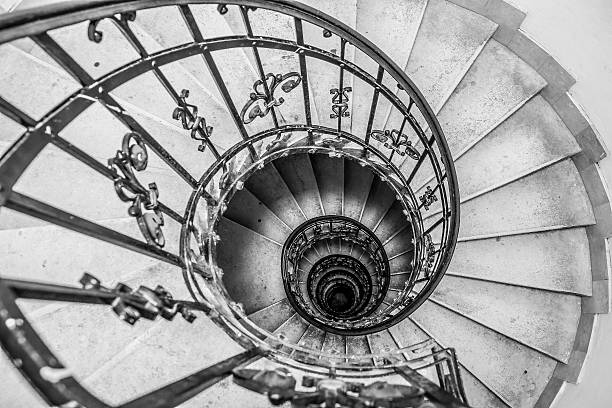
(340, 102)
(187, 114)
(428, 198)
(396, 141)
(144, 207)
(263, 99)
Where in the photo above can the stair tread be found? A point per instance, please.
(46, 86)
(554, 196)
(269, 187)
(495, 84)
(544, 320)
(357, 183)
(246, 210)
(402, 19)
(518, 373)
(273, 316)
(257, 262)
(330, 188)
(447, 39)
(554, 260)
(75, 330)
(45, 261)
(478, 395)
(531, 137)
(297, 172)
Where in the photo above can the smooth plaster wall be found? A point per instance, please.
(579, 35)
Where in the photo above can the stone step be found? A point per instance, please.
(178, 350)
(549, 199)
(74, 187)
(380, 199)
(329, 173)
(496, 84)
(246, 210)
(448, 39)
(46, 85)
(270, 188)
(357, 183)
(46, 260)
(251, 265)
(312, 339)
(273, 316)
(292, 330)
(324, 76)
(297, 172)
(556, 260)
(545, 321)
(478, 395)
(334, 344)
(517, 373)
(532, 138)
(402, 20)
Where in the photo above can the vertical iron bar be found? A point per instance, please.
(262, 75)
(45, 212)
(299, 35)
(341, 80)
(89, 161)
(197, 36)
(188, 387)
(15, 114)
(59, 55)
(379, 77)
(401, 130)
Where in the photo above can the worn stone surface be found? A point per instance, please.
(298, 175)
(447, 40)
(331, 188)
(544, 320)
(517, 373)
(553, 197)
(555, 260)
(495, 84)
(248, 257)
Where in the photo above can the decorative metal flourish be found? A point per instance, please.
(122, 21)
(144, 207)
(430, 250)
(428, 198)
(340, 101)
(130, 305)
(187, 114)
(394, 140)
(263, 100)
(280, 386)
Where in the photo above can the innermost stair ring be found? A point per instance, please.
(344, 288)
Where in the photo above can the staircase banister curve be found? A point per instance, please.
(214, 189)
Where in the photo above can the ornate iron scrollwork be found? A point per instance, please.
(122, 20)
(132, 304)
(280, 386)
(340, 101)
(187, 114)
(394, 140)
(430, 250)
(263, 100)
(428, 198)
(144, 207)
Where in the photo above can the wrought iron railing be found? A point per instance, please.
(404, 155)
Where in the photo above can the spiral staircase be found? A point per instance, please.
(291, 189)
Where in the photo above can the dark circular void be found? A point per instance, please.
(341, 298)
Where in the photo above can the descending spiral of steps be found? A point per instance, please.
(511, 302)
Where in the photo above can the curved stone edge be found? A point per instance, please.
(559, 82)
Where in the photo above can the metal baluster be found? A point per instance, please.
(197, 36)
(104, 170)
(262, 75)
(379, 78)
(341, 80)
(15, 114)
(401, 130)
(60, 56)
(299, 35)
(46, 212)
